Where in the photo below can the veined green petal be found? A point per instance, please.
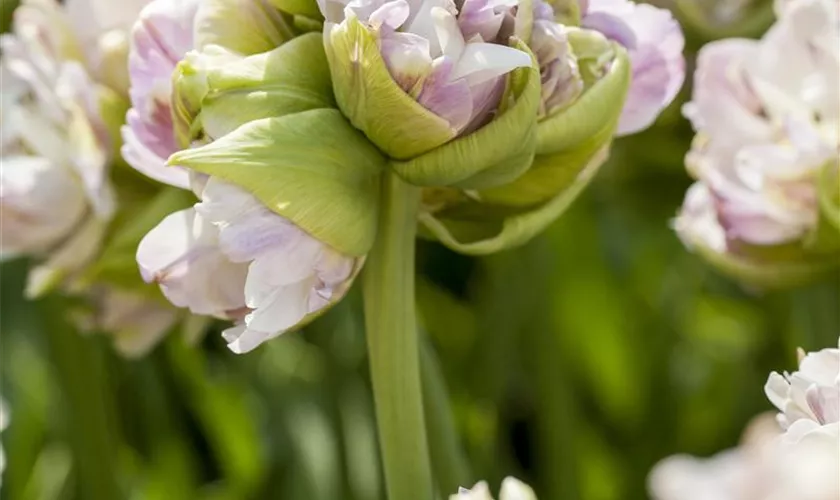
(492, 155)
(372, 100)
(292, 78)
(244, 26)
(594, 114)
(312, 168)
(307, 8)
(478, 229)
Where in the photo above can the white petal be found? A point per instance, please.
(481, 62)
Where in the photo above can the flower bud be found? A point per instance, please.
(765, 206)
(512, 489)
(426, 82)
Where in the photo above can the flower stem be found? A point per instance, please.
(392, 343)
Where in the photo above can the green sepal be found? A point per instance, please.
(566, 12)
(117, 264)
(594, 114)
(306, 8)
(476, 228)
(496, 153)
(312, 168)
(373, 102)
(244, 26)
(292, 78)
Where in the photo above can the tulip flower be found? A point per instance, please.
(512, 489)
(654, 41)
(795, 456)
(765, 156)
(425, 81)
(237, 255)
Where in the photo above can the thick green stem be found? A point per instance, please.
(393, 345)
(448, 459)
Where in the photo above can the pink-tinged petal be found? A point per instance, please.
(283, 308)
(391, 15)
(723, 104)
(145, 161)
(422, 22)
(161, 37)
(92, 18)
(483, 18)
(182, 255)
(655, 43)
(451, 100)
(136, 322)
(697, 222)
(407, 57)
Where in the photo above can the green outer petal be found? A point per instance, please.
(290, 79)
(245, 26)
(497, 153)
(597, 109)
(372, 100)
(312, 168)
(307, 8)
(513, 230)
(777, 274)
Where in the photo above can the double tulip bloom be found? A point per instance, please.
(283, 135)
(765, 206)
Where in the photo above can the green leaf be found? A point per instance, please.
(292, 78)
(312, 168)
(594, 114)
(492, 155)
(372, 100)
(245, 26)
(474, 230)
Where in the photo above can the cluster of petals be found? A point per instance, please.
(795, 456)
(55, 197)
(512, 489)
(451, 60)
(766, 114)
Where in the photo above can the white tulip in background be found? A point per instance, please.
(795, 458)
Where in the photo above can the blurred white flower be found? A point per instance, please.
(55, 197)
(232, 258)
(512, 489)
(799, 461)
(811, 393)
(766, 114)
(654, 41)
(136, 322)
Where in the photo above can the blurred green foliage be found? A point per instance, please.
(574, 363)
